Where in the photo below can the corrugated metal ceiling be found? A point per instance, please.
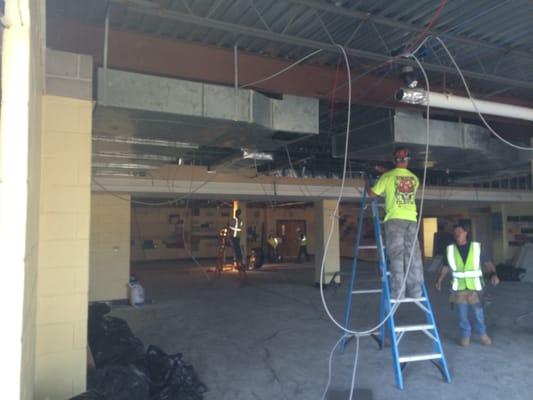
(489, 37)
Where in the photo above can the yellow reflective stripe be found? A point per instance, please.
(451, 257)
(476, 248)
(468, 274)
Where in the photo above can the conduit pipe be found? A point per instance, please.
(451, 102)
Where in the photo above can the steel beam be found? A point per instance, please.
(298, 41)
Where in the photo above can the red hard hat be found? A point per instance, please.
(401, 153)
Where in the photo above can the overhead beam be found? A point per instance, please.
(150, 54)
(312, 44)
(275, 188)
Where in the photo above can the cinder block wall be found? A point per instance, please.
(64, 217)
(109, 247)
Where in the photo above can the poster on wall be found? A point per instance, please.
(175, 239)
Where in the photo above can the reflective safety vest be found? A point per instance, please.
(303, 240)
(467, 275)
(273, 242)
(236, 227)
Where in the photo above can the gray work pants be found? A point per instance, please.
(399, 238)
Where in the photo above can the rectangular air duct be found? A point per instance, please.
(456, 146)
(152, 107)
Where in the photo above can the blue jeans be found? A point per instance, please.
(464, 323)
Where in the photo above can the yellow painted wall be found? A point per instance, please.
(109, 247)
(429, 230)
(324, 209)
(63, 252)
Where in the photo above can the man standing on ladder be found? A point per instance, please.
(236, 230)
(465, 259)
(399, 187)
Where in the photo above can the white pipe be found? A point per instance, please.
(106, 45)
(451, 102)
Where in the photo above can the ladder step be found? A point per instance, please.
(419, 357)
(413, 328)
(409, 300)
(366, 291)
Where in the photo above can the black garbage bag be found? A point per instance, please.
(175, 392)
(98, 310)
(171, 378)
(509, 273)
(112, 343)
(91, 395)
(119, 383)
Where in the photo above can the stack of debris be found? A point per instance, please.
(125, 371)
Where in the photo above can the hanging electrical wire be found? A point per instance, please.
(367, 332)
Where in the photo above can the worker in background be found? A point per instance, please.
(465, 259)
(273, 243)
(222, 242)
(236, 226)
(302, 242)
(399, 187)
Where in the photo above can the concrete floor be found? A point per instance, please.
(270, 339)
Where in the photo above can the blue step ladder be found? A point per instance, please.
(396, 332)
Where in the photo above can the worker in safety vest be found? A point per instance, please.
(236, 227)
(302, 242)
(222, 242)
(465, 259)
(273, 243)
(399, 187)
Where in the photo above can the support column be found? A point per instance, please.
(109, 259)
(323, 224)
(64, 219)
(18, 258)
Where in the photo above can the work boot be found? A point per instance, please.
(465, 341)
(485, 340)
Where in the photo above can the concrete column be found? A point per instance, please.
(64, 220)
(323, 224)
(109, 259)
(18, 94)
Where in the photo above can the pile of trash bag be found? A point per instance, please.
(509, 273)
(126, 371)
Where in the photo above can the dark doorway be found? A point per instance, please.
(287, 230)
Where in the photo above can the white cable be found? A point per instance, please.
(474, 101)
(367, 332)
(330, 366)
(301, 60)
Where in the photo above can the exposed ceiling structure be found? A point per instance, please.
(492, 41)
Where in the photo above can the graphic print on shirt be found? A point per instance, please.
(404, 190)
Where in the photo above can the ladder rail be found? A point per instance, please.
(387, 305)
(437, 344)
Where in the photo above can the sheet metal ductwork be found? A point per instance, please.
(454, 146)
(146, 106)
